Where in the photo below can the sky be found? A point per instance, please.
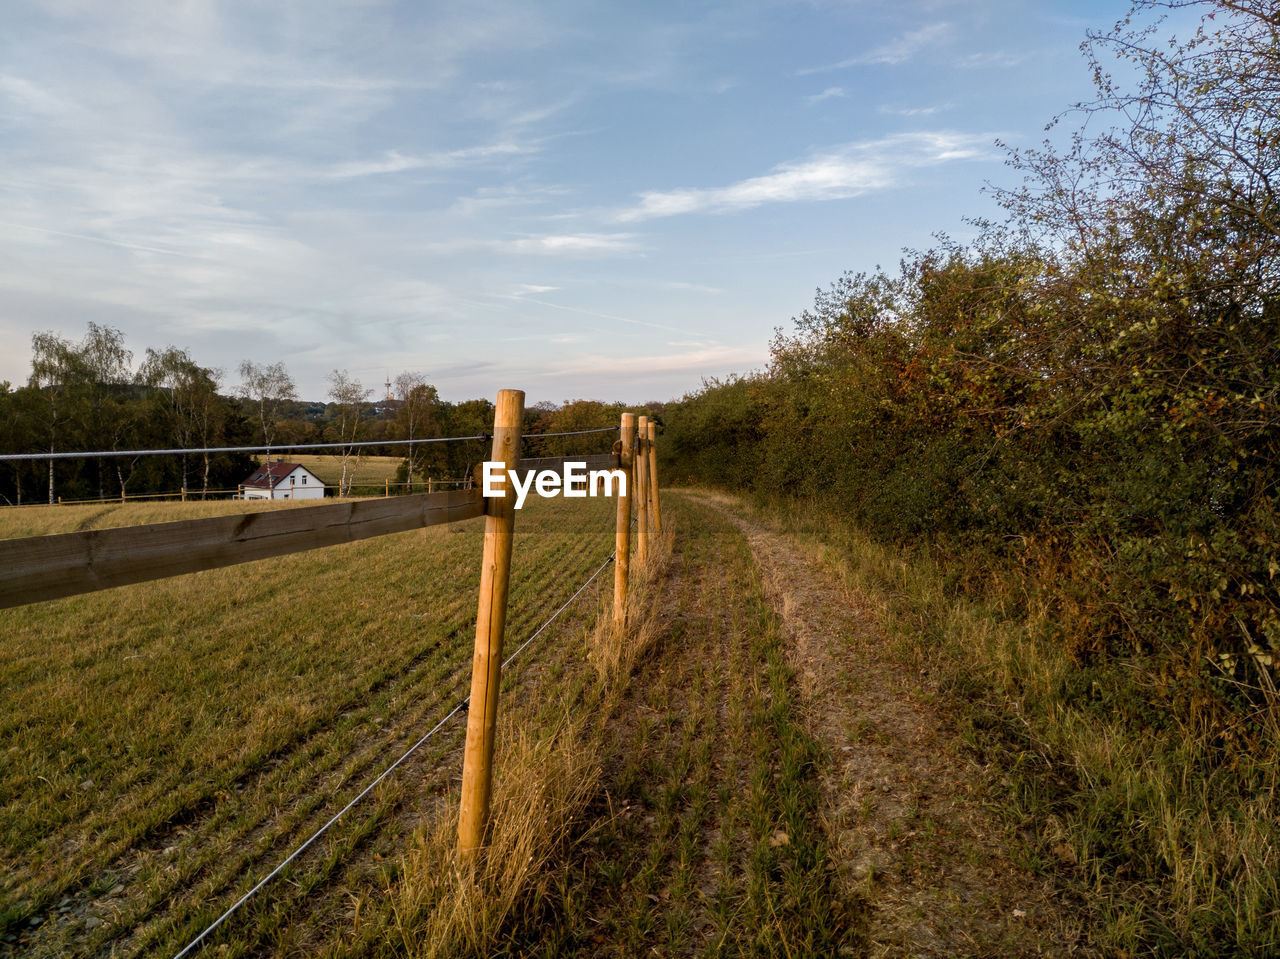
(600, 200)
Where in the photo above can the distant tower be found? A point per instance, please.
(389, 396)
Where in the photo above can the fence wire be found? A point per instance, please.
(274, 448)
(461, 707)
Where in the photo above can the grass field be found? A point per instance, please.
(166, 744)
(368, 470)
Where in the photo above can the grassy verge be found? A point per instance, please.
(704, 836)
(1174, 840)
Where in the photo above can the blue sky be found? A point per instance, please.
(598, 200)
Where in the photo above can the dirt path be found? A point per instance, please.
(902, 807)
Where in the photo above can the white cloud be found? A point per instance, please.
(846, 172)
(826, 94)
(393, 161)
(896, 51)
(995, 58)
(572, 244)
(911, 111)
(704, 359)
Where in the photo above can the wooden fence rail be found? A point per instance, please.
(38, 568)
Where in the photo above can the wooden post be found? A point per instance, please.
(653, 477)
(386, 485)
(491, 621)
(622, 539)
(429, 484)
(641, 473)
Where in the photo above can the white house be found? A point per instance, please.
(280, 480)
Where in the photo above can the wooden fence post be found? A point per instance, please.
(491, 621)
(641, 472)
(622, 539)
(653, 477)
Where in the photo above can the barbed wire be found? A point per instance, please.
(462, 706)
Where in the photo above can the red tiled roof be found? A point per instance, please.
(270, 474)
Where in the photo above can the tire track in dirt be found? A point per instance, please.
(902, 807)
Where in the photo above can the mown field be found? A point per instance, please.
(166, 744)
(367, 470)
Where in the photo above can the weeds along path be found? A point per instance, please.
(903, 809)
(706, 836)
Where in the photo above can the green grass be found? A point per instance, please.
(705, 838)
(166, 744)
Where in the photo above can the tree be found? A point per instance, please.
(349, 396)
(419, 403)
(267, 389)
(54, 367)
(106, 373)
(187, 396)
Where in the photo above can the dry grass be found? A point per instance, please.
(22, 521)
(549, 763)
(366, 470)
(1174, 841)
(443, 907)
(615, 649)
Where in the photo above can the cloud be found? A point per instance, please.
(994, 58)
(895, 52)
(826, 94)
(911, 111)
(572, 244)
(393, 161)
(704, 360)
(846, 172)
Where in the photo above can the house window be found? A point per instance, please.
(292, 480)
(304, 481)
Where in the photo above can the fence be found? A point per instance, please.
(38, 568)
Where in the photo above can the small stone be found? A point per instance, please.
(170, 850)
(92, 922)
(87, 784)
(35, 921)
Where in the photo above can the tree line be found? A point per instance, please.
(90, 395)
(1088, 392)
